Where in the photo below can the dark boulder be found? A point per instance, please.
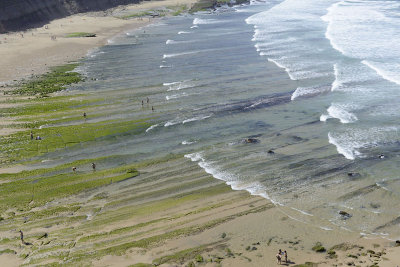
(345, 215)
(251, 140)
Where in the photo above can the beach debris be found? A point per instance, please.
(397, 243)
(223, 235)
(74, 169)
(381, 156)
(271, 152)
(345, 215)
(93, 166)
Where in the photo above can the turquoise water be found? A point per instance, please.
(319, 105)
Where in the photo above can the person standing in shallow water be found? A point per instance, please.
(93, 166)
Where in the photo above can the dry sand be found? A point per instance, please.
(32, 52)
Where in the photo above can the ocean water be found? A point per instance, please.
(316, 83)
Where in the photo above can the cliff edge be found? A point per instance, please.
(24, 14)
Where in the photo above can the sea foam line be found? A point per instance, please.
(382, 73)
(338, 112)
(255, 189)
(348, 153)
(151, 127)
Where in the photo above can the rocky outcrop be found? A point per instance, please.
(25, 14)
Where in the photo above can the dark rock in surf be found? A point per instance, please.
(345, 215)
(353, 174)
(271, 152)
(251, 140)
(397, 244)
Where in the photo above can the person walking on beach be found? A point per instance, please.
(31, 135)
(93, 166)
(285, 254)
(142, 103)
(148, 100)
(22, 236)
(84, 115)
(279, 257)
(152, 108)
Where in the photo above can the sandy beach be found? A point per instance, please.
(32, 52)
(166, 211)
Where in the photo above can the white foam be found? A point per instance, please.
(176, 86)
(339, 112)
(324, 117)
(369, 31)
(165, 66)
(336, 84)
(348, 152)
(326, 228)
(197, 21)
(169, 97)
(388, 71)
(171, 123)
(350, 140)
(188, 142)
(183, 53)
(171, 83)
(183, 32)
(254, 188)
(151, 127)
(194, 27)
(200, 118)
(308, 91)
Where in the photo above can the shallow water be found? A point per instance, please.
(316, 87)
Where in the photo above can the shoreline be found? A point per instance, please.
(172, 213)
(35, 51)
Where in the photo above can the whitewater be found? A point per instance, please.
(293, 101)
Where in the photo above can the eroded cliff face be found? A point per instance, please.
(18, 15)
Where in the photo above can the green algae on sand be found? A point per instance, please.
(56, 80)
